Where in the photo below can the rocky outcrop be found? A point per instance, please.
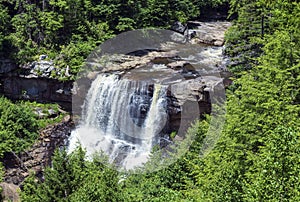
(35, 82)
(211, 33)
(9, 192)
(36, 89)
(42, 69)
(189, 100)
(39, 89)
(19, 166)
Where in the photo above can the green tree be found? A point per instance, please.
(100, 183)
(266, 97)
(18, 127)
(244, 38)
(4, 20)
(275, 173)
(71, 178)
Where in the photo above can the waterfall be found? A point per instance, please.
(123, 118)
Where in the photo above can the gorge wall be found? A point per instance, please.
(34, 82)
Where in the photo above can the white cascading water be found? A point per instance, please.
(122, 118)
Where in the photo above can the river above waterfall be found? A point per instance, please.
(204, 63)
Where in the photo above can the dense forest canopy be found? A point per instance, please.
(258, 155)
(67, 30)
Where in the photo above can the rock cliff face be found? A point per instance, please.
(18, 166)
(24, 83)
(36, 89)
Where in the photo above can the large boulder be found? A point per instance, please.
(9, 192)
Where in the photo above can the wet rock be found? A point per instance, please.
(141, 52)
(162, 60)
(211, 33)
(177, 65)
(179, 27)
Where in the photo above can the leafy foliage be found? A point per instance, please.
(71, 178)
(275, 174)
(261, 111)
(18, 126)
